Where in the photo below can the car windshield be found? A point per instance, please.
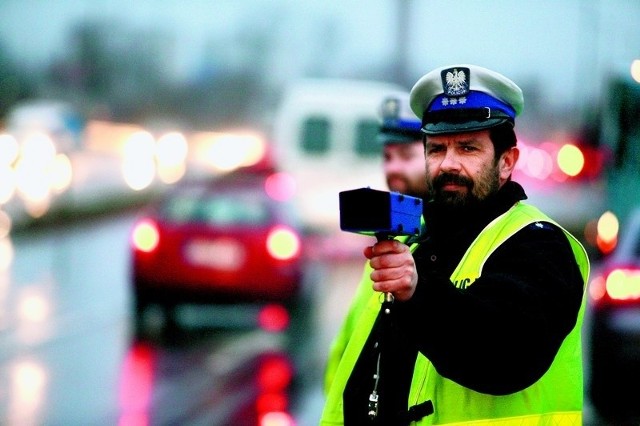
(219, 210)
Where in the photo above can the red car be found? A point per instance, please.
(229, 240)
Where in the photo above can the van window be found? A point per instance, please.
(366, 144)
(315, 135)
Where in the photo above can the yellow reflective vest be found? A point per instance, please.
(555, 399)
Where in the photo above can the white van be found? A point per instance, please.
(324, 135)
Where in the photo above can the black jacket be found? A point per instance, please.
(497, 336)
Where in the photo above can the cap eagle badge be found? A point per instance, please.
(391, 109)
(455, 82)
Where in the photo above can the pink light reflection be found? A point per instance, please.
(136, 385)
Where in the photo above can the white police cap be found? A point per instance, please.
(399, 123)
(464, 98)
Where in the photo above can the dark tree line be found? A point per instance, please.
(124, 71)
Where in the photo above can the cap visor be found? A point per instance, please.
(389, 138)
(445, 127)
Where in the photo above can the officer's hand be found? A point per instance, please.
(394, 270)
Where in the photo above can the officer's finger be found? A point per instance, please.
(375, 251)
(388, 246)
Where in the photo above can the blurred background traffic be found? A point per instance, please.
(111, 110)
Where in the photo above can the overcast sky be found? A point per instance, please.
(565, 47)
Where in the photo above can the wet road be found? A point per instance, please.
(68, 354)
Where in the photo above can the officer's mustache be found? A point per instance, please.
(450, 178)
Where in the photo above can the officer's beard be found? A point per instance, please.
(477, 190)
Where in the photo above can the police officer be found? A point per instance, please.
(489, 305)
(403, 151)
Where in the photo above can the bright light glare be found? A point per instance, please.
(60, 173)
(171, 154)
(524, 153)
(31, 180)
(138, 163)
(38, 172)
(32, 184)
(597, 288)
(228, 152)
(283, 243)
(28, 383)
(172, 149)
(33, 307)
(623, 284)
(7, 183)
(539, 164)
(280, 186)
(136, 385)
(6, 254)
(38, 148)
(145, 236)
(5, 224)
(273, 318)
(138, 173)
(277, 419)
(29, 375)
(608, 226)
(140, 145)
(8, 149)
(570, 159)
(37, 207)
(172, 174)
(635, 70)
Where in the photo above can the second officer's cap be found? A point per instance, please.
(464, 98)
(399, 123)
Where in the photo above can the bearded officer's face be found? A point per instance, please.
(462, 169)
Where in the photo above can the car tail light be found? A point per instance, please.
(620, 284)
(275, 374)
(570, 160)
(280, 186)
(145, 236)
(607, 230)
(274, 378)
(274, 318)
(283, 243)
(137, 380)
(277, 418)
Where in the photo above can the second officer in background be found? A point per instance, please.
(404, 171)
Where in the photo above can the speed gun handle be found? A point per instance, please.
(382, 214)
(388, 297)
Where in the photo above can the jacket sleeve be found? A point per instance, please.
(501, 333)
